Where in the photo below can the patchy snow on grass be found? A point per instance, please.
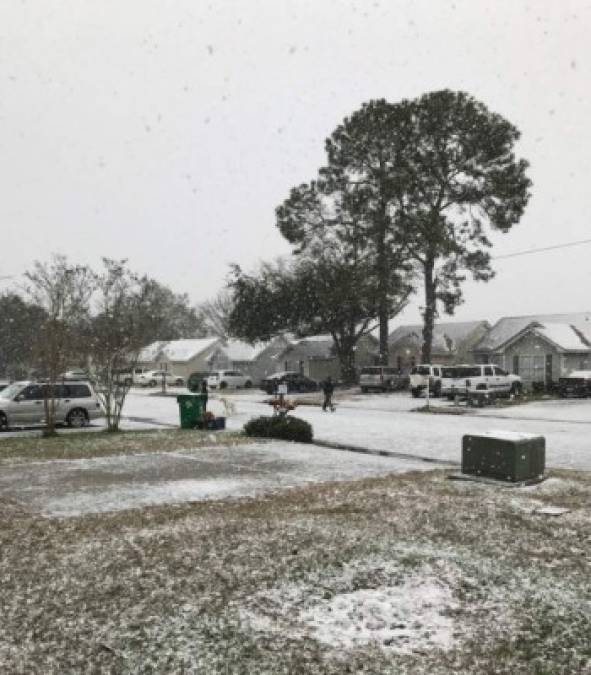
(136, 496)
(366, 602)
(412, 616)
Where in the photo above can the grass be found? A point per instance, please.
(221, 587)
(85, 444)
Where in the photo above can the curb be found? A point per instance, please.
(383, 453)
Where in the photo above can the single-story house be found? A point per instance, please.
(453, 342)
(315, 356)
(539, 348)
(181, 357)
(257, 360)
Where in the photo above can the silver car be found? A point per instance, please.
(22, 404)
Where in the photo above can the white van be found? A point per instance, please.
(424, 374)
(465, 378)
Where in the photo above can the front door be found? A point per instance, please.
(548, 369)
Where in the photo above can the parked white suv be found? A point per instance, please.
(23, 404)
(152, 378)
(463, 379)
(226, 379)
(424, 374)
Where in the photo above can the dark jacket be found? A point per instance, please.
(327, 387)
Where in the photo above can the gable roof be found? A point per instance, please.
(447, 337)
(314, 346)
(185, 350)
(237, 350)
(150, 353)
(507, 328)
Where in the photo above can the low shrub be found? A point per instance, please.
(286, 428)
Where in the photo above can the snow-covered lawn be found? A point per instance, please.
(123, 480)
(409, 573)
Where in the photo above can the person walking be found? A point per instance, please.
(204, 394)
(328, 390)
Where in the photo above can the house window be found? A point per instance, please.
(516, 364)
(399, 363)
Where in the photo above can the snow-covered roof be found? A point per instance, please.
(185, 350)
(447, 337)
(151, 352)
(507, 328)
(564, 336)
(315, 338)
(314, 347)
(237, 350)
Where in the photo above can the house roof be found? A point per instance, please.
(314, 346)
(565, 336)
(185, 350)
(507, 328)
(150, 352)
(237, 350)
(447, 337)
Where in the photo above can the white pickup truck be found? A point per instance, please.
(463, 379)
(423, 375)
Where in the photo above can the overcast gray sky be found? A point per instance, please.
(167, 131)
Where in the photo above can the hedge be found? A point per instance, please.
(287, 428)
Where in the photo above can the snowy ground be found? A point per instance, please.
(122, 481)
(387, 422)
(409, 573)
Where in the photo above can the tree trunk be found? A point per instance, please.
(382, 265)
(430, 309)
(346, 354)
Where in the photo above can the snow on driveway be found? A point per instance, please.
(386, 422)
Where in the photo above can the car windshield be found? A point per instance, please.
(448, 372)
(12, 390)
(420, 370)
(371, 371)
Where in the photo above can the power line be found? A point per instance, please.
(545, 248)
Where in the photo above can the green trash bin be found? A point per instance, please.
(191, 408)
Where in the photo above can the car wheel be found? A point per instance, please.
(77, 418)
(3, 422)
(179, 382)
(415, 393)
(223, 385)
(248, 384)
(152, 383)
(516, 389)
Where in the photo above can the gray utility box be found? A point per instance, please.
(504, 455)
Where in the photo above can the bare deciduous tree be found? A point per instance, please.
(63, 291)
(215, 314)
